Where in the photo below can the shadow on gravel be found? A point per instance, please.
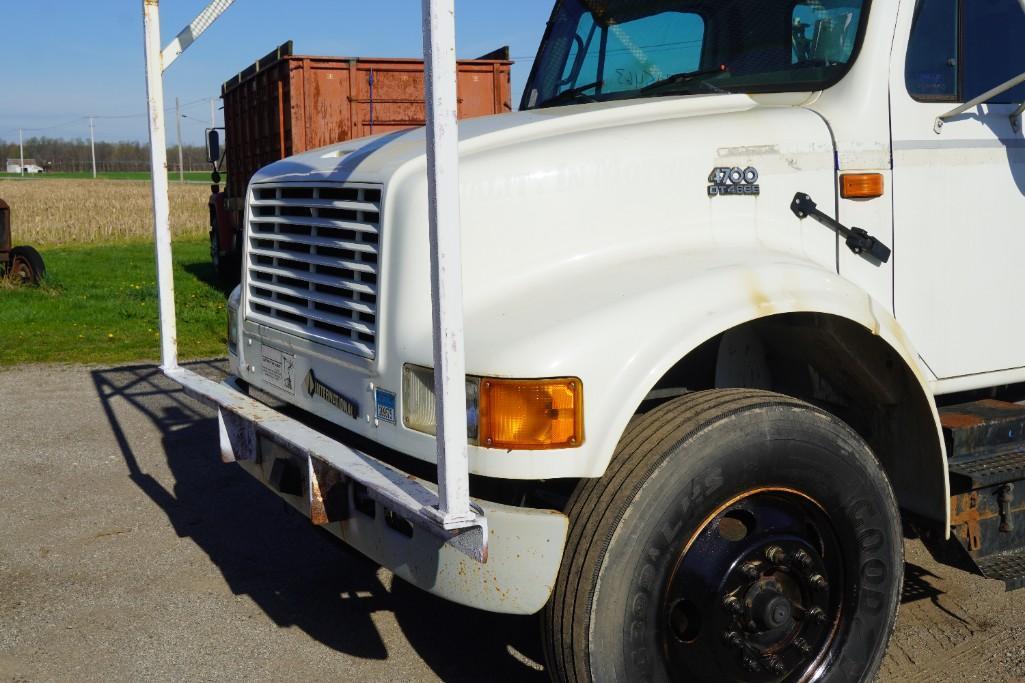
(917, 586)
(297, 574)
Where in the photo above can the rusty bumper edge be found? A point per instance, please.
(244, 421)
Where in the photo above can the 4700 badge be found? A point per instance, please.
(724, 180)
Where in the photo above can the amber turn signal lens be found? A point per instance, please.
(861, 185)
(531, 414)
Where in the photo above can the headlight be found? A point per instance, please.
(233, 303)
(418, 401)
(514, 414)
(233, 331)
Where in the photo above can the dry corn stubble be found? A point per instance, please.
(47, 212)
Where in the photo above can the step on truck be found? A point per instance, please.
(741, 307)
(285, 103)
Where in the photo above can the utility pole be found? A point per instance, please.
(181, 155)
(92, 143)
(21, 145)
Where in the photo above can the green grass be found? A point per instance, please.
(193, 176)
(99, 305)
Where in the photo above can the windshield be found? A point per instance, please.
(613, 49)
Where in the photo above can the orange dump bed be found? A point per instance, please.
(286, 104)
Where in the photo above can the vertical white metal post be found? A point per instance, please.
(21, 146)
(92, 142)
(213, 110)
(161, 204)
(446, 263)
(178, 124)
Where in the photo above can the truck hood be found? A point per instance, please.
(569, 210)
(377, 158)
(575, 218)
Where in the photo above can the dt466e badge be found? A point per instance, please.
(726, 180)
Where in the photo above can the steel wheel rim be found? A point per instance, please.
(21, 270)
(756, 593)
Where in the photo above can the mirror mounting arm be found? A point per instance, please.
(982, 99)
(1016, 117)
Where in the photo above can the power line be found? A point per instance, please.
(101, 117)
(144, 114)
(57, 125)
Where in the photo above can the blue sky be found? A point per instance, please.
(61, 60)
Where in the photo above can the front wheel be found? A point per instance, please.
(737, 536)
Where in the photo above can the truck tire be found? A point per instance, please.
(215, 249)
(227, 265)
(737, 536)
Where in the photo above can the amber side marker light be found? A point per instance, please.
(861, 185)
(531, 414)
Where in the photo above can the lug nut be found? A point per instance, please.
(733, 605)
(817, 615)
(802, 559)
(802, 645)
(751, 570)
(751, 665)
(776, 555)
(818, 581)
(733, 639)
(775, 665)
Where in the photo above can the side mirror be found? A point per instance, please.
(213, 146)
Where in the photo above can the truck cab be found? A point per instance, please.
(739, 301)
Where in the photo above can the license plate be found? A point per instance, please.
(278, 368)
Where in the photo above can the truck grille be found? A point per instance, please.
(314, 255)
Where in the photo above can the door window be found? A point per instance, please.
(931, 66)
(991, 49)
(994, 40)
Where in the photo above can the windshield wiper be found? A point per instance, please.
(685, 77)
(567, 96)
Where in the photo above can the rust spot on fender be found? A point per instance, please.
(762, 303)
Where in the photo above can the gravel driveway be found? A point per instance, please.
(128, 551)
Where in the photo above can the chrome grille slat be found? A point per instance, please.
(370, 249)
(313, 262)
(304, 221)
(324, 316)
(317, 204)
(311, 259)
(316, 297)
(356, 287)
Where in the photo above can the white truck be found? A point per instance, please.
(740, 297)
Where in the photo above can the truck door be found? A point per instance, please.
(959, 195)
